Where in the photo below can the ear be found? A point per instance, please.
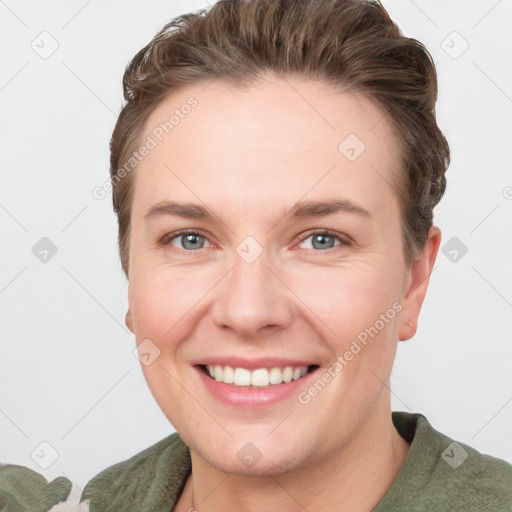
(417, 284)
(128, 320)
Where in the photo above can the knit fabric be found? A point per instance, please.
(438, 474)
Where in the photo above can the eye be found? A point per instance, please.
(190, 241)
(325, 239)
(185, 240)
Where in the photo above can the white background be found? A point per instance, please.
(68, 374)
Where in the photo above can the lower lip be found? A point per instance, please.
(239, 396)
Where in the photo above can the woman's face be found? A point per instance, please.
(258, 280)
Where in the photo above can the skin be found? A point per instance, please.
(248, 155)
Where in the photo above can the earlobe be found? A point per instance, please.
(407, 330)
(128, 320)
(417, 285)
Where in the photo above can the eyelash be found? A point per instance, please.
(344, 240)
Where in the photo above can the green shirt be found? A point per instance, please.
(438, 474)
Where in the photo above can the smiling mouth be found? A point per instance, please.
(261, 378)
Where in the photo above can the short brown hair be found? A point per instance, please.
(348, 44)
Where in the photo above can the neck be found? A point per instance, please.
(353, 477)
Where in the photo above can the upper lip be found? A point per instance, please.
(253, 364)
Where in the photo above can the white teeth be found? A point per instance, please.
(261, 377)
(275, 376)
(242, 377)
(228, 375)
(288, 374)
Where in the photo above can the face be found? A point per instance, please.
(264, 276)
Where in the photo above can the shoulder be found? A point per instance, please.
(440, 472)
(152, 477)
(480, 480)
(465, 464)
(21, 487)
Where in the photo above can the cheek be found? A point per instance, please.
(164, 301)
(339, 302)
(151, 310)
(356, 312)
(348, 299)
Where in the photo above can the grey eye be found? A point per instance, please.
(320, 241)
(190, 241)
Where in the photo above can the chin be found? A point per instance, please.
(271, 465)
(241, 456)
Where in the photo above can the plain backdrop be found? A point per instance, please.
(69, 378)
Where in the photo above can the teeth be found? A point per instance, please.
(242, 377)
(261, 377)
(228, 374)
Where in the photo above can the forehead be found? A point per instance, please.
(271, 142)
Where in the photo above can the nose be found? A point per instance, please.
(252, 299)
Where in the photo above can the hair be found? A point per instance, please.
(352, 45)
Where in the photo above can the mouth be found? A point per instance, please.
(260, 378)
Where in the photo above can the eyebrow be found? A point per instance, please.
(298, 210)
